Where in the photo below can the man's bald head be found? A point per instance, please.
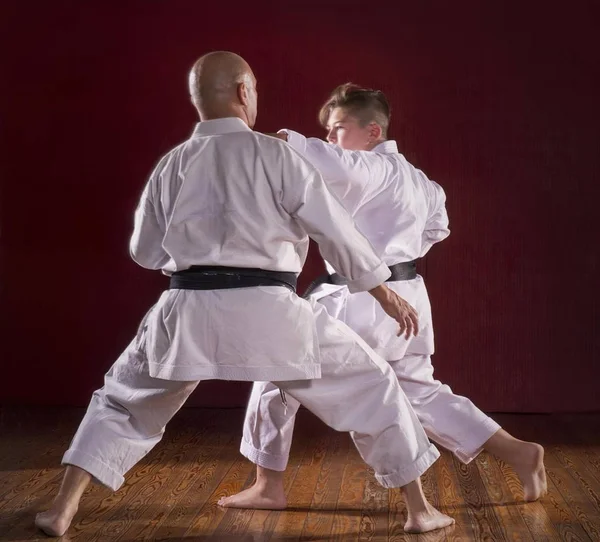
(222, 85)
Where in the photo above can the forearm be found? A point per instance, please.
(381, 293)
(340, 243)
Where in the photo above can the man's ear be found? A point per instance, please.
(242, 93)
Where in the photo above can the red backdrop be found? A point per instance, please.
(498, 103)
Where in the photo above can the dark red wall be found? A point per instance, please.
(498, 103)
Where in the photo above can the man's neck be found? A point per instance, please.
(224, 114)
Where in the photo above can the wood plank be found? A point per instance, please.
(27, 504)
(375, 507)
(486, 523)
(319, 522)
(17, 456)
(18, 525)
(301, 493)
(101, 504)
(30, 483)
(452, 500)
(535, 516)
(172, 494)
(432, 494)
(36, 439)
(235, 522)
(347, 518)
(210, 474)
(575, 493)
(501, 498)
(263, 522)
(539, 517)
(207, 472)
(583, 432)
(49, 447)
(582, 449)
(146, 512)
(568, 456)
(572, 478)
(207, 518)
(396, 516)
(560, 510)
(25, 426)
(112, 513)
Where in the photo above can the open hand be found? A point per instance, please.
(398, 308)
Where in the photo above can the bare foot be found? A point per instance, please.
(527, 458)
(56, 521)
(258, 497)
(53, 522)
(531, 471)
(428, 520)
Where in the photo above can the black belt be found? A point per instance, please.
(200, 277)
(400, 271)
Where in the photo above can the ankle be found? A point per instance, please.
(64, 505)
(269, 478)
(420, 508)
(416, 504)
(269, 485)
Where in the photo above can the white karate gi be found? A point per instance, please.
(232, 197)
(403, 214)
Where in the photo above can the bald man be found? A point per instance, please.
(227, 216)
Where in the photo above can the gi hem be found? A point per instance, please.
(102, 472)
(485, 432)
(263, 459)
(369, 281)
(187, 373)
(412, 472)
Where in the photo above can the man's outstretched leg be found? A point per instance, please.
(359, 393)
(125, 420)
(268, 493)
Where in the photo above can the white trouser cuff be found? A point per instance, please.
(106, 475)
(474, 446)
(263, 459)
(412, 472)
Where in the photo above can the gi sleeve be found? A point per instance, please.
(307, 198)
(146, 244)
(348, 174)
(436, 227)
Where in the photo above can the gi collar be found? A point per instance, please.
(386, 147)
(220, 126)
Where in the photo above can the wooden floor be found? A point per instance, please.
(172, 494)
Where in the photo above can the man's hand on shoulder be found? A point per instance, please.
(282, 135)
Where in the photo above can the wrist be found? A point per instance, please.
(381, 293)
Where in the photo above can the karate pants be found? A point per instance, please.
(358, 392)
(450, 420)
